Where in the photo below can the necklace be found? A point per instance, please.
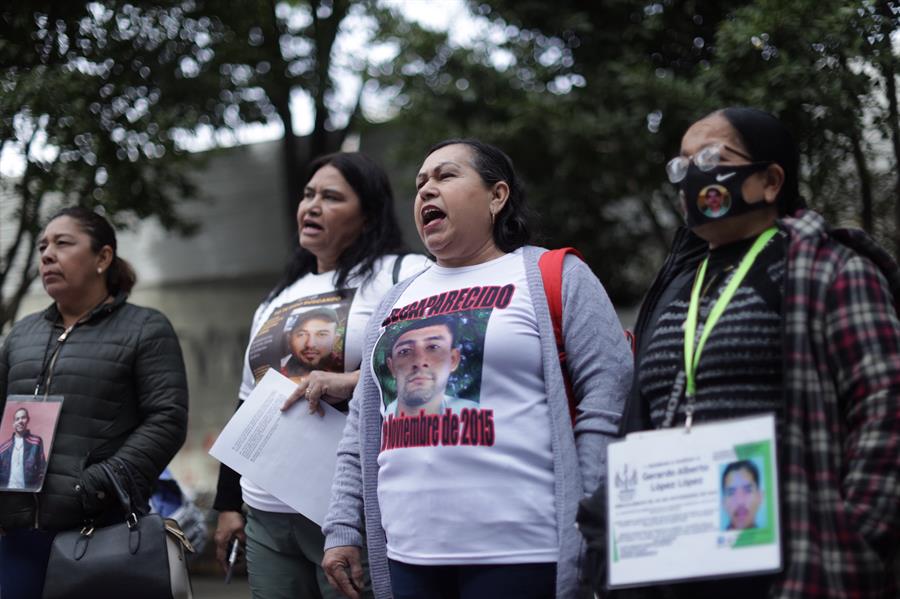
(80, 317)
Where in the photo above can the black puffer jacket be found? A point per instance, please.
(122, 377)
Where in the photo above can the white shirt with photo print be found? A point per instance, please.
(365, 300)
(480, 504)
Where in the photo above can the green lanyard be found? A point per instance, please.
(692, 356)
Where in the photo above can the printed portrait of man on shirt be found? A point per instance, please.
(300, 336)
(427, 367)
(310, 338)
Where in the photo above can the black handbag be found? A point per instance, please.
(141, 558)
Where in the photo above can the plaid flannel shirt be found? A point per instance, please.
(839, 456)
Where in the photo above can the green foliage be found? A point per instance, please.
(822, 66)
(93, 98)
(99, 99)
(591, 100)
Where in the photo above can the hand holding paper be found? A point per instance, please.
(268, 445)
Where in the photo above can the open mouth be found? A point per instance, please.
(311, 225)
(431, 214)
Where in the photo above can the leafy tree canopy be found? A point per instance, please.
(99, 99)
(591, 100)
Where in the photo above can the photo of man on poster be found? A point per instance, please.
(22, 458)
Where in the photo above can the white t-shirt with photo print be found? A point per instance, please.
(364, 301)
(483, 492)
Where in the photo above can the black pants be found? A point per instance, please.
(519, 581)
(23, 563)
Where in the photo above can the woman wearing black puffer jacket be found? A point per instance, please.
(120, 371)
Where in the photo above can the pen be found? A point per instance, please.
(232, 558)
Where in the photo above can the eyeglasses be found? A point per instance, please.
(708, 158)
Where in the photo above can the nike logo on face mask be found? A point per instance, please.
(725, 176)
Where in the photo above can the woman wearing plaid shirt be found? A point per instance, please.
(811, 334)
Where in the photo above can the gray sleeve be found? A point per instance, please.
(344, 521)
(600, 363)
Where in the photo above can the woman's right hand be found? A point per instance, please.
(343, 569)
(319, 385)
(229, 526)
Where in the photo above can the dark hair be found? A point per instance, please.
(431, 321)
(511, 225)
(767, 139)
(326, 314)
(380, 235)
(741, 465)
(120, 276)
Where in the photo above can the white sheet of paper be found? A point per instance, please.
(291, 454)
(683, 505)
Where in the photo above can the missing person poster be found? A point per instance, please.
(27, 430)
(303, 335)
(693, 504)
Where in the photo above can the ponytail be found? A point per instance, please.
(120, 277)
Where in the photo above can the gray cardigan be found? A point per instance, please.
(600, 363)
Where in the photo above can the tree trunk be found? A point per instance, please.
(29, 216)
(291, 163)
(894, 125)
(8, 310)
(279, 92)
(661, 235)
(324, 32)
(888, 64)
(855, 135)
(865, 177)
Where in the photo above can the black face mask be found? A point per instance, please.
(716, 194)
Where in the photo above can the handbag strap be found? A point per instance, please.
(125, 499)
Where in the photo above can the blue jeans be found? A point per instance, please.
(23, 562)
(522, 581)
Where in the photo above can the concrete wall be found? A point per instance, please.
(209, 284)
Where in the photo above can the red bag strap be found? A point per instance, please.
(551, 266)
